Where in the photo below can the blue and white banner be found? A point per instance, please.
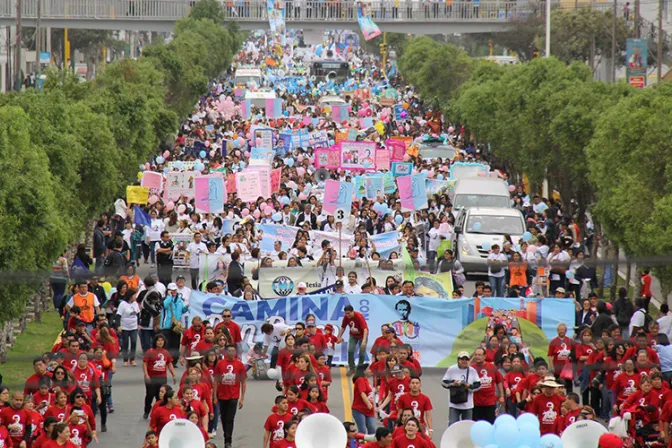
(272, 233)
(386, 243)
(436, 328)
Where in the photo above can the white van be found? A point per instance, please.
(480, 192)
(245, 75)
(476, 227)
(259, 98)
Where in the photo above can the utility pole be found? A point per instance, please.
(548, 28)
(638, 34)
(659, 56)
(38, 40)
(17, 52)
(613, 43)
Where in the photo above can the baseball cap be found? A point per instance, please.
(463, 354)
(561, 290)
(339, 283)
(395, 369)
(172, 287)
(180, 277)
(610, 441)
(329, 327)
(301, 285)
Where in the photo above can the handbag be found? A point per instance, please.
(459, 395)
(175, 325)
(567, 372)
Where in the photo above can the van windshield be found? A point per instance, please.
(244, 80)
(475, 200)
(495, 225)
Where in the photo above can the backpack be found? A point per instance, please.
(625, 312)
(647, 319)
(109, 264)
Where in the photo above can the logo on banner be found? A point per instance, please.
(283, 286)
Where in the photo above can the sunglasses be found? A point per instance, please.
(80, 396)
(227, 315)
(464, 358)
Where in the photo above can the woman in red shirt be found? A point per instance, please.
(410, 438)
(316, 399)
(43, 398)
(285, 357)
(582, 351)
(295, 403)
(78, 400)
(162, 393)
(290, 434)
(87, 377)
(60, 437)
(363, 403)
(194, 418)
(156, 364)
(62, 380)
(626, 383)
(170, 409)
(297, 372)
(80, 428)
(190, 404)
(60, 408)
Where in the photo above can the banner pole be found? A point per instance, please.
(340, 248)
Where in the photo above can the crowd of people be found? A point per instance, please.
(619, 359)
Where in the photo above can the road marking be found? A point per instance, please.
(345, 389)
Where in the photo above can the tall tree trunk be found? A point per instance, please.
(605, 256)
(614, 283)
(628, 272)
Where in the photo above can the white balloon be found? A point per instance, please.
(272, 374)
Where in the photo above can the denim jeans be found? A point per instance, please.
(146, 337)
(365, 424)
(129, 340)
(212, 424)
(498, 285)
(109, 397)
(152, 251)
(58, 288)
(457, 415)
(352, 346)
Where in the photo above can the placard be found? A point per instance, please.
(358, 155)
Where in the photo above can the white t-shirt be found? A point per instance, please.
(155, 228)
(129, 315)
(352, 289)
(194, 250)
(185, 292)
(637, 320)
(275, 338)
(456, 374)
(435, 239)
(120, 208)
(502, 259)
(665, 324)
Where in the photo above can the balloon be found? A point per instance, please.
(139, 174)
(299, 158)
(181, 208)
(482, 433)
(439, 176)
(272, 374)
(269, 211)
(277, 217)
(236, 144)
(505, 419)
(170, 205)
(301, 171)
(153, 199)
(405, 105)
(451, 129)
(207, 143)
(430, 174)
(486, 245)
(257, 142)
(531, 249)
(166, 154)
(303, 197)
(529, 433)
(237, 153)
(290, 162)
(477, 226)
(398, 219)
(506, 435)
(245, 212)
(248, 135)
(212, 153)
(527, 236)
(159, 160)
(202, 154)
(263, 206)
(235, 136)
(569, 275)
(407, 157)
(107, 286)
(550, 441)
(256, 214)
(512, 188)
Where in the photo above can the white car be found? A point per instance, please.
(331, 100)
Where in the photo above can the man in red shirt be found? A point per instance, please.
(642, 343)
(234, 329)
(231, 379)
(359, 333)
(546, 405)
(559, 353)
(315, 337)
(383, 439)
(33, 382)
(17, 420)
(388, 335)
(490, 378)
(191, 337)
(419, 402)
(275, 423)
(646, 284)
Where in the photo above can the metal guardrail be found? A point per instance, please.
(295, 10)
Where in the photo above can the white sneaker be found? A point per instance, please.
(212, 435)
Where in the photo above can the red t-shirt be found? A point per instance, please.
(229, 375)
(162, 416)
(157, 360)
(5, 440)
(79, 435)
(489, 376)
(234, 330)
(196, 406)
(56, 412)
(383, 342)
(38, 399)
(357, 325)
(318, 341)
(54, 444)
(625, 385)
(397, 387)
(419, 403)
(33, 382)
(324, 373)
(203, 346)
(191, 337)
(569, 419)
(284, 359)
(9, 416)
(404, 442)
(87, 379)
(362, 385)
(275, 424)
(560, 350)
(582, 350)
(638, 398)
(516, 382)
(547, 409)
(299, 405)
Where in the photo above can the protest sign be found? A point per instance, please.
(382, 159)
(179, 184)
(401, 169)
(412, 192)
(153, 181)
(397, 149)
(264, 178)
(328, 158)
(210, 194)
(358, 155)
(248, 185)
(137, 195)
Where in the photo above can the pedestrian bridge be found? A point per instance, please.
(403, 16)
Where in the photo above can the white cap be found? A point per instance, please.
(172, 287)
(301, 285)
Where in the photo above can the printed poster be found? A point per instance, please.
(248, 185)
(358, 155)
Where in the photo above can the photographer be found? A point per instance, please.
(461, 380)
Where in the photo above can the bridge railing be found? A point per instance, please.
(295, 10)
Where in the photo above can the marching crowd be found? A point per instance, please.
(619, 361)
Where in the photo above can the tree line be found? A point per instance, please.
(68, 151)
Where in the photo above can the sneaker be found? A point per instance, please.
(227, 445)
(103, 428)
(110, 409)
(153, 266)
(278, 387)
(125, 364)
(133, 363)
(145, 416)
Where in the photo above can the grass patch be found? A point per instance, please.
(37, 339)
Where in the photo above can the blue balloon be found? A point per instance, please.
(476, 226)
(529, 434)
(505, 419)
(241, 165)
(159, 159)
(235, 143)
(569, 275)
(142, 167)
(277, 217)
(550, 441)
(527, 418)
(506, 435)
(202, 154)
(398, 219)
(486, 245)
(439, 176)
(290, 162)
(527, 236)
(166, 170)
(482, 433)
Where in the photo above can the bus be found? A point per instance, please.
(330, 70)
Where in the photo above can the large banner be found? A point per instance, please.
(437, 329)
(461, 170)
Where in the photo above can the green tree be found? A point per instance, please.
(208, 9)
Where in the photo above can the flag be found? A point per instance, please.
(409, 271)
(273, 108)
(141, 217)
(246, 109)
(339, 113)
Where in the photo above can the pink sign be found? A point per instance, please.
(152, 180)
(382, 159)
(397, 148)
(231, 182)
(328, 158)
(276, 174)
(248, 185)
(331, 189)
(264, 178)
